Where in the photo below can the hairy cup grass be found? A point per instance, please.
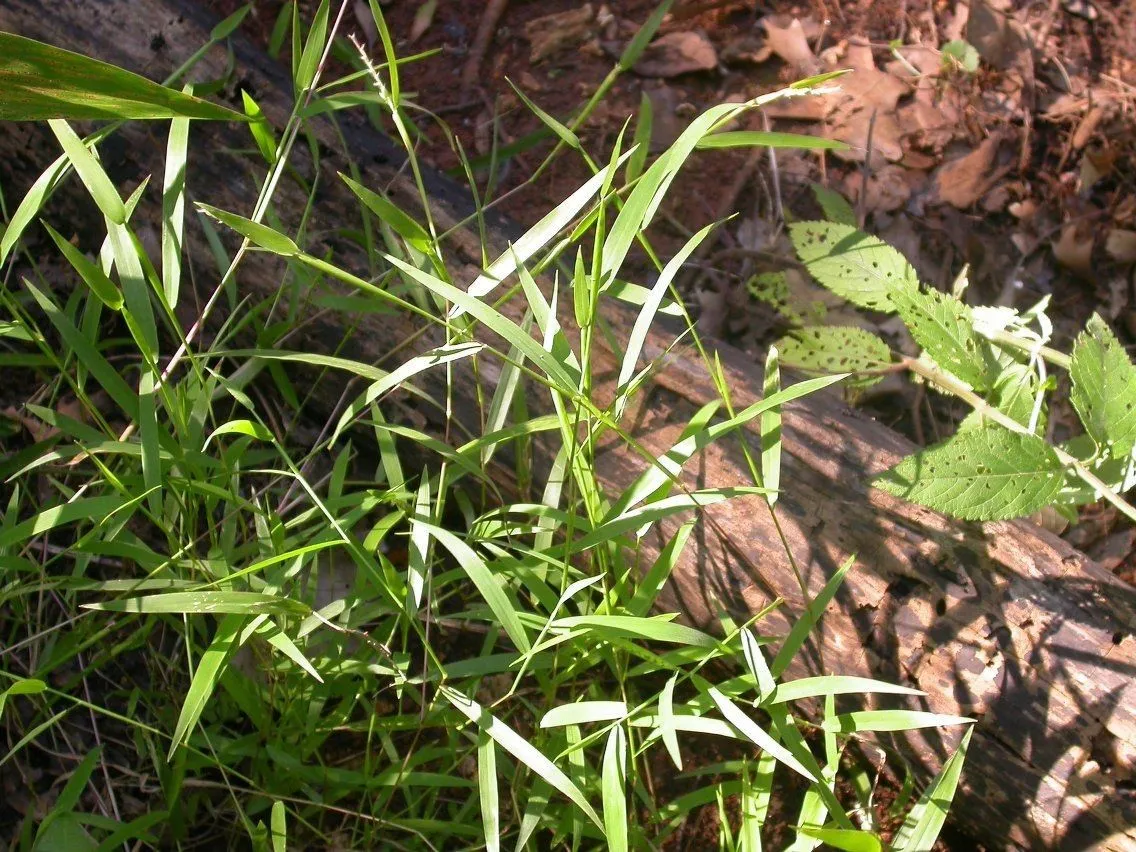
(220, 633)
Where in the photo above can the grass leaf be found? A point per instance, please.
(43, 82)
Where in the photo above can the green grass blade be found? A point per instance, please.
(583, 712)
(173, 207)
(41, 82)
(89, 171)
(522, 750)
(91, 273)
(890, 720)
(486, 584)
(487, 791)
(921, 828)
(205, 602)
(805, 624)
(205, 678)
(613, 782)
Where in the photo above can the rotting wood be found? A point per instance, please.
(1001, 621)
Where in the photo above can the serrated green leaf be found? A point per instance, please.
(835, 349)
(979, 475)
(943, 326)
(855, 266)
(1104, 388)
(835, 206)
(1015, 395)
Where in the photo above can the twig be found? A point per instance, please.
(865, 173)
(778, 210)
(485, 31)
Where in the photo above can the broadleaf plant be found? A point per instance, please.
(997, 466)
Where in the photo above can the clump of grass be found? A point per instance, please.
(219, 632)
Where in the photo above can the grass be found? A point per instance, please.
(399, 635)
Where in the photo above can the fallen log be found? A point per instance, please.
(1000, 621)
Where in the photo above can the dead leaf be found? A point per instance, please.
(885, 135)
(746, 50)
(888, 189)
(1074, 250)
(963, 181)
(677, 53)
(1121, 245)
(998, 38)
(791, 44)
(1088, 125)
(422, 20)
(550, 34)
(367, 21)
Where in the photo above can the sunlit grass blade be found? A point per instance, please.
(921, 828)
(418, 554)
(771, 429)
(847, 839)
(91, 273)
(205, 678)
(822, 685)
(654, 629)
(670, 465)
(537, 237)
(646, 317)
(44, 82)
(652, 582)
(93, 509)
(483, 579)
(805, 624)
(754, 732)
(666, 726)
(198, 603)
(613, 784)
(90, 172)
(487, 791)
(891, 720)
(522, 750)
(583, 712)
(173, 207)
(766, 686)
(400, 375)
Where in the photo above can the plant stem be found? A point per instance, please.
(1053, 356)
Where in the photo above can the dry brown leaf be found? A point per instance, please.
(366, 21)
(1074, 250)
(677, 53)
(1089, 124)
(746, 50)
(422, 20)
(888, 188)
(963, 181)
(1121, 245)
(855, 130)
(550, 34)
(791, 44)
(997, 37)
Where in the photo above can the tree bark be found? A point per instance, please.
(1000, 621)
